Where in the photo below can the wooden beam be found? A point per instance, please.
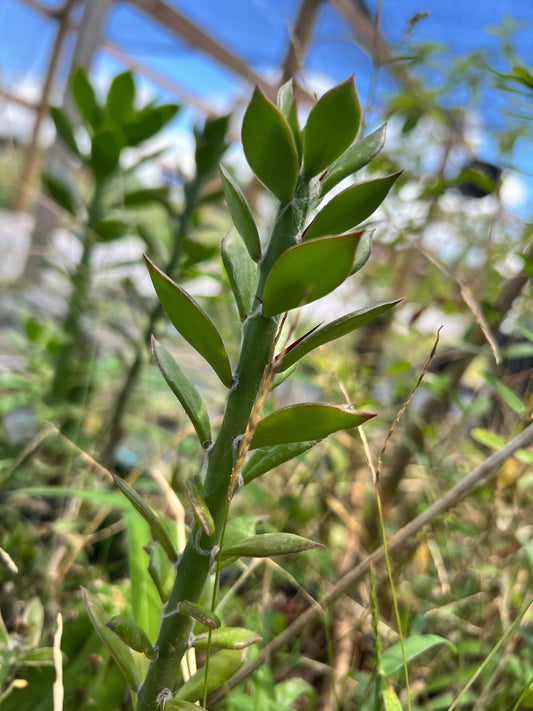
(363, 25)
(35, 5)
(300, 38)
(173, 20)
(137, 66)
(33, 153)
(87, 41)
(90, 30)
(33, 105)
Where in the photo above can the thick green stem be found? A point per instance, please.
(200, 552)
(62, 385)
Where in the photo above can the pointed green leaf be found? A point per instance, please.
(241, 214)
(287, 105)
(62, 191)
(519, 350)
(147, 122)
(241, 270)
(165, 113)
(287, 692)
(227, 638)
(487, 438)
(144, 598)
(149, 516)
(282, 377)
(138, 161)
(335, 329)
(85, 98)
(121, 653)
(308, 271)
(43, 656)
(120, 98)
(391, 702)
(265, 459)
(269, 147)
(222, 666)
(350, 207)
(180, 705)
(265, 545)
(525, 456)
(363, 252)
(199, 507)
(241, 527)
(304, 422)
(160, 569)
(507, 395)
(523, 75)
(131, 634)
(4, 635)
(65, 129)
(111, 229)
(331, 127)
(184, 389)
(353, 159)
(192, 322)
(200, 613)
(211, 144)
(148, 196)
(32, 622)
(527, 332)
(105, 154)
(392, 658)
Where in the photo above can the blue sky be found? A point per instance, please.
(258, 30)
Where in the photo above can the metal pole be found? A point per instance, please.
(26, 183)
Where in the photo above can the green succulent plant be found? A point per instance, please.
(313, 247)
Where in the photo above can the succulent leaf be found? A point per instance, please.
(241, 214)
(350, 207)
(305, 422)
(308, 271)
(265, 545)
(269, 147)
(185, 390)
(331, 331)
(331, 127)
(241, 270)
(192, 322)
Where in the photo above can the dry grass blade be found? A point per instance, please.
(57, 689)
(29, 449)
(467, 297)
(456, 494)
(404, 407)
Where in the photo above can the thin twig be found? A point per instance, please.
(285, 573)
(467, 297)
(405, 406)
(29, 449)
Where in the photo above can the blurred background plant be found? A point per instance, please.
(454, 242)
